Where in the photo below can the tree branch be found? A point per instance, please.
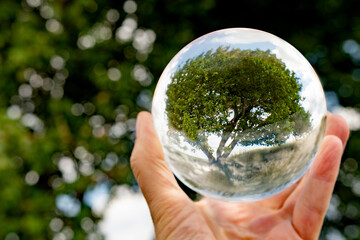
(228, 132)
(205, 149)
(231, 146)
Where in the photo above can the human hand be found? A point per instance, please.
(296, 213)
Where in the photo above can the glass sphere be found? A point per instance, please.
(240, 114)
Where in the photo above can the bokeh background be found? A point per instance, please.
(75, 73)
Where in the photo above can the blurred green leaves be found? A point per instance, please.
(68, 101)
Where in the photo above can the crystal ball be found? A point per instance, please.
(240, 114)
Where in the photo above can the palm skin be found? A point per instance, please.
(296, 213)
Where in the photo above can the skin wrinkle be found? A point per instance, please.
(186, 222)
(161, 208)
(296, 231)
(194, 236)
(291, 201)
(278, 232)
(322, 173)
(151, 195)
(277, 202)
(166, 223)
(209, 217)
(314, 209)
(266, 223)
(310, 218)
(237, 216)
(309, 221)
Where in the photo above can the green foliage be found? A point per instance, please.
(235, 94)
(60, 96)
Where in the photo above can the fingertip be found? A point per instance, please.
(337, 126)
(327, 162)
(331, 143)
(143, 119)
(147, 145)
(144, 114)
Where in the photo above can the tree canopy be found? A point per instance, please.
(244, 97)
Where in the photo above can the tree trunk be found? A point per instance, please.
(209, 155)
(229, 131)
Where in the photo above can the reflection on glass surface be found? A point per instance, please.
(240, 114)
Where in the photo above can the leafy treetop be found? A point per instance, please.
(242, 96)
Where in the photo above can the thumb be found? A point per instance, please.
(155, 179)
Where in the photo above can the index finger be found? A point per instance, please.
(155, 179)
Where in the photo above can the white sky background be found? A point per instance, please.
(127, 217)
(351, 115)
